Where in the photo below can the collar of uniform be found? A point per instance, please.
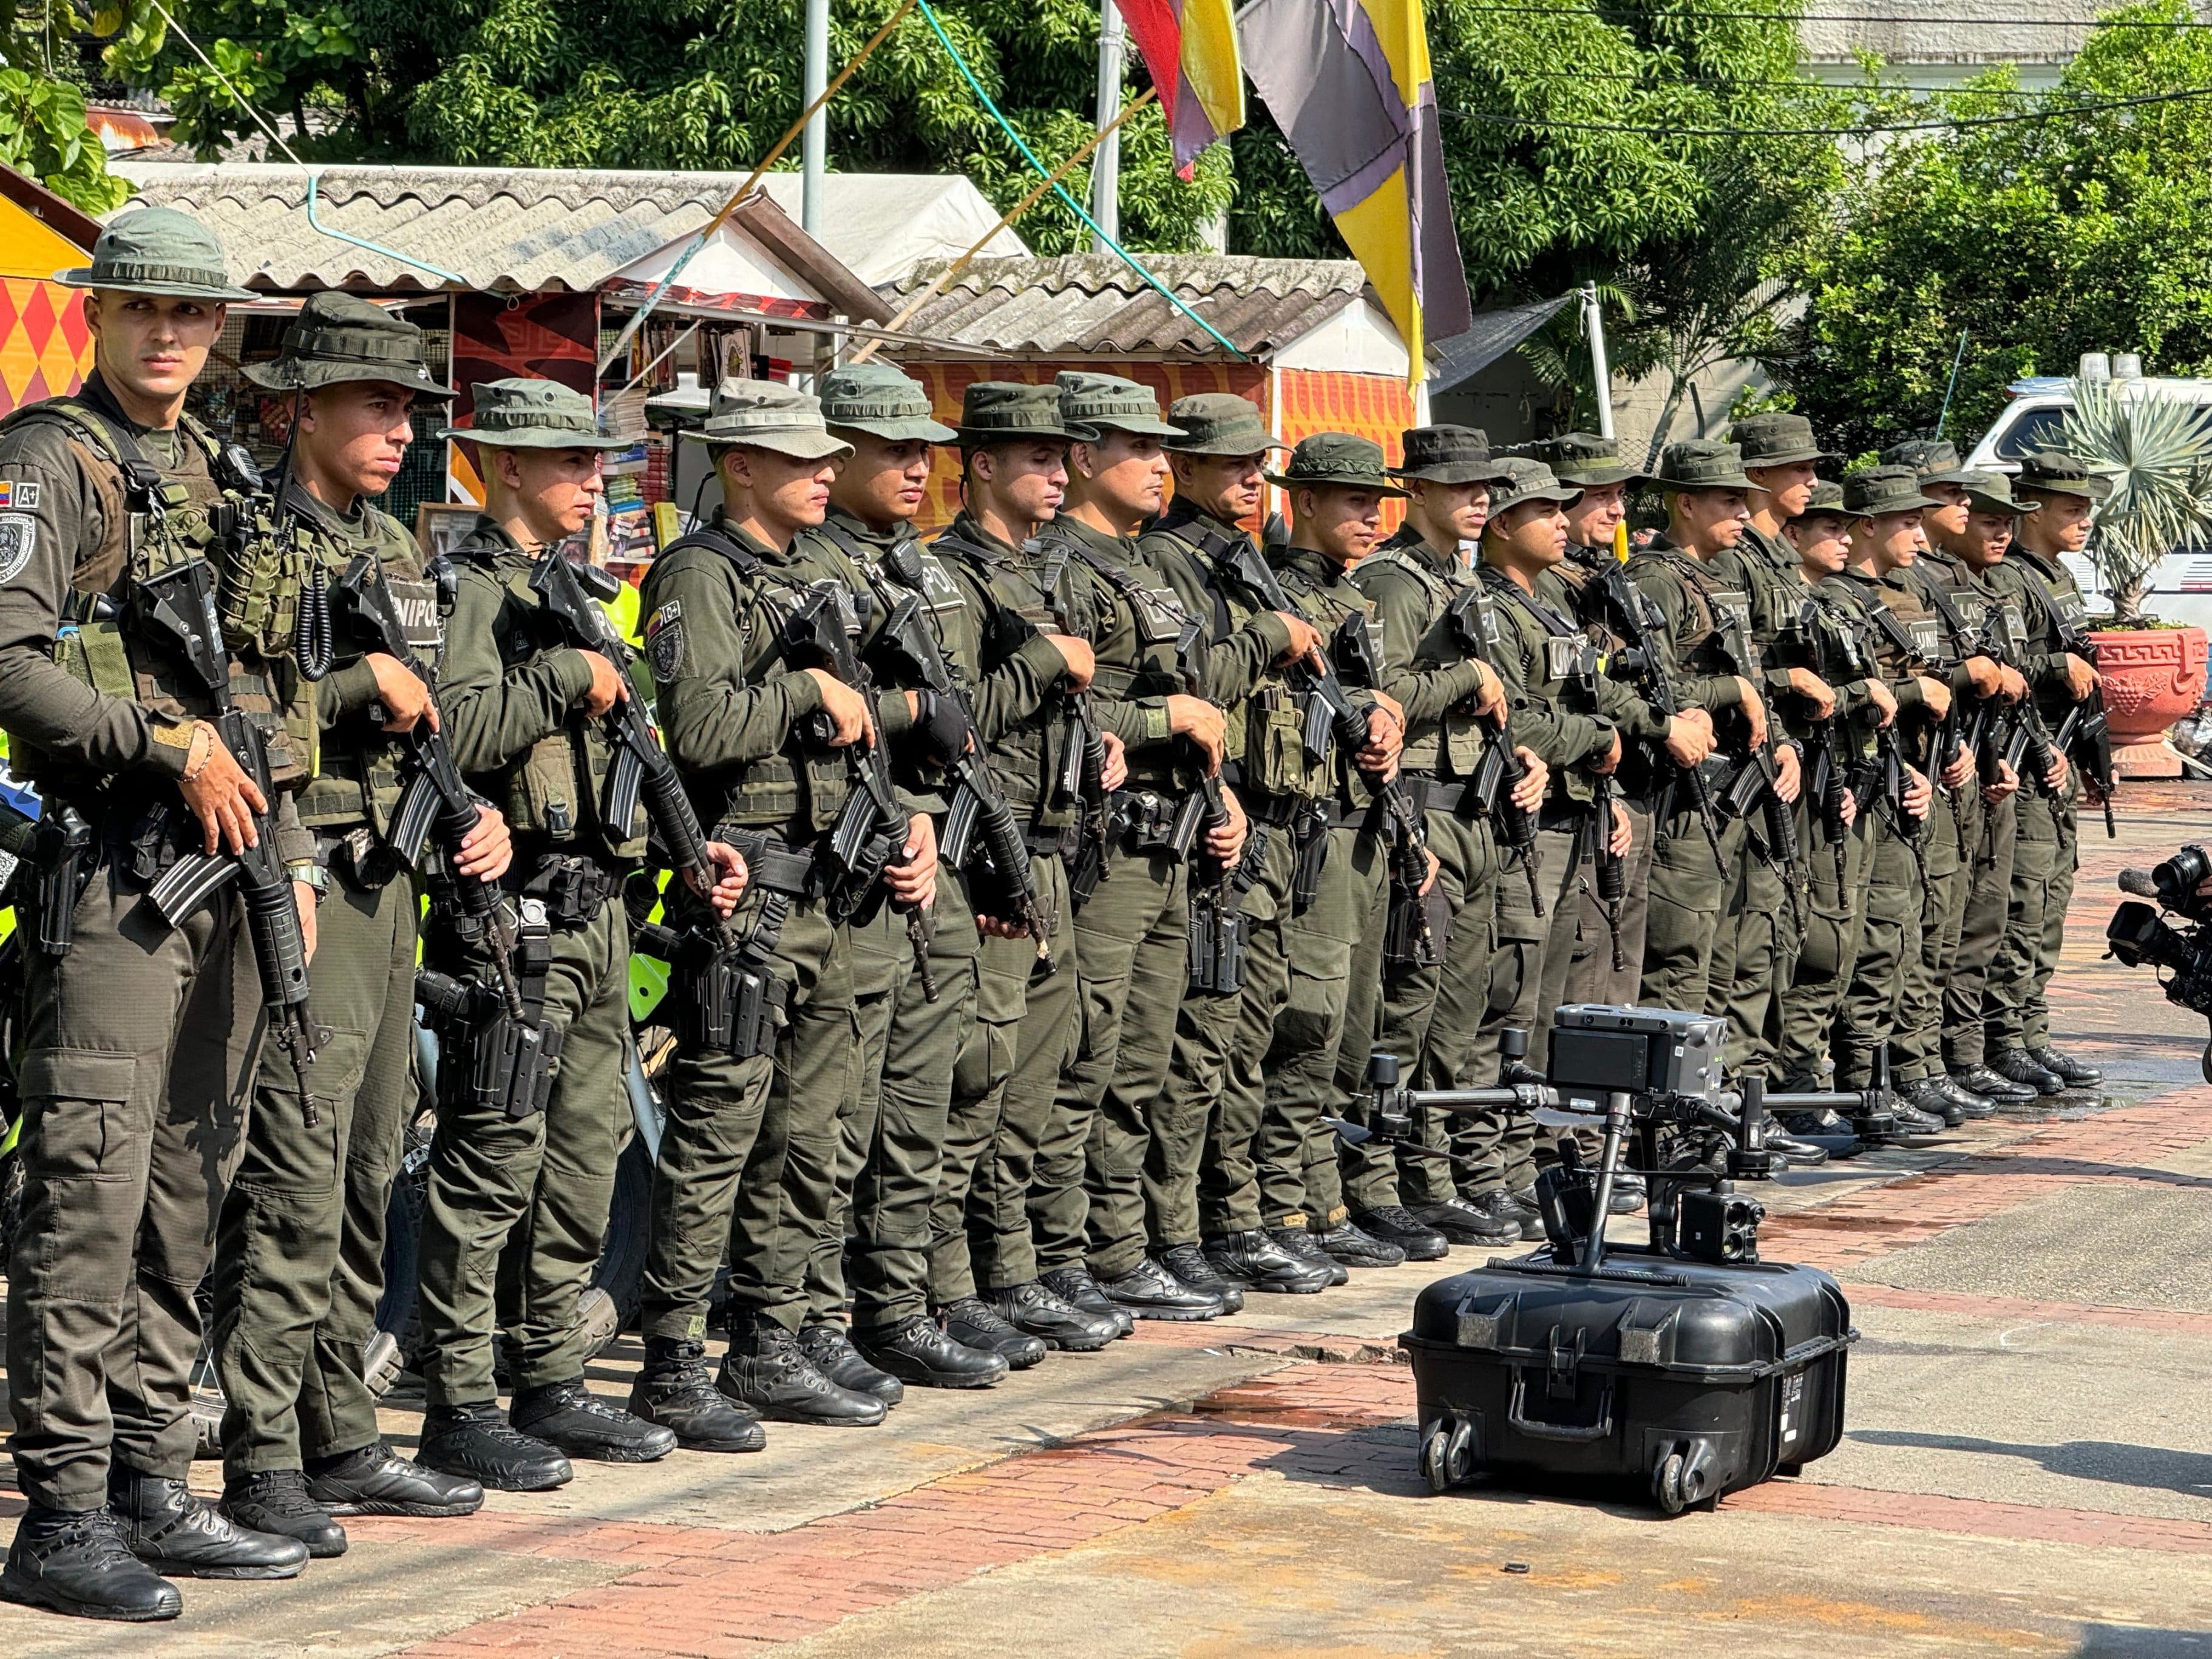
(96, 393)
(749, 542)
(1180, 512)
(970, 529)
(1407, 538)
(488, 535)
(1896, 582)
(860, 530)
(1856, 577)
(1315, 566)
(1111, 547)
(2046, 569)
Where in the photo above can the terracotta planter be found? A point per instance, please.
(2153, 677)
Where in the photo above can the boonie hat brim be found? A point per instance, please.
(174, 286)
(1726, 481)
(1226, 444)
(899, 429)
(536, 437)
(292, 374)
(1332, 480)
(1790, 458)
(1559, 493)
(800, 443)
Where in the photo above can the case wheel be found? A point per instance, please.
(1435, 1457)
(1685, 1480)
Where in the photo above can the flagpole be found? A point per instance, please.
(1600, 369)
(1106, 173)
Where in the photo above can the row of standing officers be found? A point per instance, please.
(1058, 875)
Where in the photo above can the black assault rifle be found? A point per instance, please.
(1501, 770)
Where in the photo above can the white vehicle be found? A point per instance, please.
(2180, 589)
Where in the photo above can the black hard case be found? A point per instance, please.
(1695, 1378)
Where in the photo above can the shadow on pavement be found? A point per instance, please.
(2135, 1642)
(2153, 1467)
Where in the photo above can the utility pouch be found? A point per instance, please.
(1218, 938)
(1311, 834)
(487, 1057)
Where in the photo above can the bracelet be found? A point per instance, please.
(201, 751)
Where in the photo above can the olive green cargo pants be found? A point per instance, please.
(516, 1211)
(1435, 1034)
(1688, 897)
(1235, 1038)
(1820, 971)
(1981, 934)
(135, 1071)
(1578, 955)
(300, 1258)
(892, 1142)
(2046, 846)
(1917, 1049)
(1892, 931)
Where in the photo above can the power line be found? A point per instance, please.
(1954, 124)
(1837, 17)
(1659, 82)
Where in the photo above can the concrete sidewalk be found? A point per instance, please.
(2028, 1465)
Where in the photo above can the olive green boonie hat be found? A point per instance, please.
(1988, 492)
(1701, 463)
(2054, 472)
(1447, 455)
(1338, 459)
(1107, 401)
(1584, 459)
(1014, 412)
(1935, 459)
(1776, 439)
(768, 414)
(881, 400)
(158, 251)
(1873, 490)
(533, 413)
(1520, 479)
(342, 337)
(1220, 423)
(1826, 502)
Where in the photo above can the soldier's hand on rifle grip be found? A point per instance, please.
(1961, 772)
(1919, 794)
(1490, 694)
(846, 710)
(1535, 779)
(220, 794)
(1622, 841)
(303, 900)
(1436, 866)
(2081, 678)
(1082, 661)
(1788, 775)
(1386, 738)
(1115, 772)
(1754, 710)
(1305, 642)
(1202, 723)
(730, 875)
(1225, 845)
(912, 881)
(487, 849)
(1815, 690)
(2056, 777)
(1884, 701)
(1606, 764)
(1690, 737)
(2006, 786)
(2012, 684)
(401, 694)
(1986, 676)
(605, 688)
(1936, 695)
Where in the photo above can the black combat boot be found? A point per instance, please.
(1394, 1223)
(1354, 1248)
(1300, 1240)
(766, 1369)
(1075, 1286)
(676, 1390)
(377, 1480)
(915, 1350)
(277, 1501)
(1463, 1223)
(1970, 1104)
(1979, 1079)
(475, 1443)
(1497, 1205)
(829, 1348)
(1148, 1291)
(570, 1417)
(2069, 1071)
(2021, 1067)
(1922, 1094)
(179, 1536)
(1254, 1261)
(1033, 1308)
(74, 1561)
(975, 1323)
(1188, 1263)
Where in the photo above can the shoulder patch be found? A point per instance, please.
(18, 492)
(664, 641)
(19, 536)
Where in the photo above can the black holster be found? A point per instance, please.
(487, 1057)
(1309, 835)
(726, 1002)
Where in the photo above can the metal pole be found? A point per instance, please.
(1601, 370)
(815, 154)
(1106, 167)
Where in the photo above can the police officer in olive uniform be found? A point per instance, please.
(1202, 1186)
(2056, 494)
(749, 1159)
(526, 1166)
(1708, 507)
(300, 1257)
(1046, 742)
(1432, 1010)
(1337, 485)
(1133, 932)
(913, 1023)
(1884, 503)
(138, 1038)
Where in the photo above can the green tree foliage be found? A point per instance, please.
(678, 84)
(2041, 238)
(42, 126)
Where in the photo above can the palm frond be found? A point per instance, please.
(2156, 449)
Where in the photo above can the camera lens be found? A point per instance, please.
(2178, 878)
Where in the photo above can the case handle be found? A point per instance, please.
(1581, 1432)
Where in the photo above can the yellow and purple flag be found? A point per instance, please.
(1348, 82)
(1189, 49)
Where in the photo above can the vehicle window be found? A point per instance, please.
(2038, 429)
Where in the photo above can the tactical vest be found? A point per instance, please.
(1711, 603)
(1156, 620)
(1451, 746)
(1030, 758)
(1326, 608)
(150, 521)
(554, 789)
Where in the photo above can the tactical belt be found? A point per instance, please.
(1145, 817)
(1569, 814)
(573, 888)
(775, 865)
(1054, 843)
(1279, 810)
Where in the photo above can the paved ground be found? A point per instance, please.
(2027, 1466)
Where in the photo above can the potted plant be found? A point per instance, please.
(2157, 451)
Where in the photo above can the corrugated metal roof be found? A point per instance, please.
(1093, 304)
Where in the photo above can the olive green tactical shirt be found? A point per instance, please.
(1549, 663)
(1900, 636)
(1323, 591)
(2044, 655)
(1412, 587)
(1687, 591)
